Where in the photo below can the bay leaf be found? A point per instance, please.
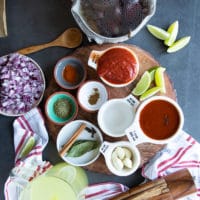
(80, 147)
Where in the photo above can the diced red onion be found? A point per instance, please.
(21, 84)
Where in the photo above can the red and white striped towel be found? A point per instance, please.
(183, 152)
(26, 169)
(30, 124)
(103, 191)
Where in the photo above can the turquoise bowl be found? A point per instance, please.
(49, 108)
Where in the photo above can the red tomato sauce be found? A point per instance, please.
(117, 66)
(159, 119)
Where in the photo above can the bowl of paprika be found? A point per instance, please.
(69, 72)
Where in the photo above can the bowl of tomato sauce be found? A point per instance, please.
(116, 66)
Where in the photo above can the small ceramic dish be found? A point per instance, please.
(69, 72)
(116, 115)
(90, 133)
(122, 158)
(91, 95)
(68, 115)
(117, 66)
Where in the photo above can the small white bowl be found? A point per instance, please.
(66, 133)
(86, 94)
(108, 148)
(115, 116)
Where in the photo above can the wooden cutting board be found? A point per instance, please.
(147, 150)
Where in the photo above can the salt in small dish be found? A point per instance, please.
(69, 72)
(91, 132)
(92, 95)
(50, 108)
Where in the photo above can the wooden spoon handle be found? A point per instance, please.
(35, 48)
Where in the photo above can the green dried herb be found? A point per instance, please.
(81, 147)
(62, 108)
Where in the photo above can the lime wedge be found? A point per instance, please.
(173, 31)
(143, 84)
(179, 44)
(28, 147)
(159, 79)
(152, 72)
(158, 32)
(149, 93)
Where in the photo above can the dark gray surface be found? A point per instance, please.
(38, 21)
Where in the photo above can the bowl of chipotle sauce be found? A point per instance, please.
(116, 66)
(69, 72)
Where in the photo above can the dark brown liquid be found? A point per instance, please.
(159, 119)
(113, 18)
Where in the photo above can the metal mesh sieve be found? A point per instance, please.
(112, 20)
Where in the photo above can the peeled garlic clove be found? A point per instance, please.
(128, 163)
(114, 155)
(128, 153)
(120, 152)
(117, 163)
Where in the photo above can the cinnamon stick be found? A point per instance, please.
(67, 146)
(171, 187)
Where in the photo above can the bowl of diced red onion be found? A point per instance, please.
(22, 84)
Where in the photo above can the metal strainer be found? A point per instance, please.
(112, 21)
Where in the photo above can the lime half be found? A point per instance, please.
(159, 79)
(68, 173)
(74, 175)
(173, 31)
(28, 147)
(149, 93)
(179, 44)
(158, 32)
(143, 84)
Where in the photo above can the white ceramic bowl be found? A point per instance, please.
(108, 148)
(115, 116)
(119, 67)
(91, 95)
(67, 132)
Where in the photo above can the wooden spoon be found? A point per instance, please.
(71, 38)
